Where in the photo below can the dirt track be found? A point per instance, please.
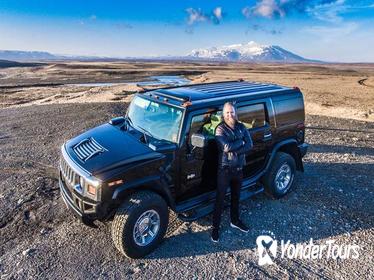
(40, 238)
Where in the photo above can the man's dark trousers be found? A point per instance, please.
(233, 177)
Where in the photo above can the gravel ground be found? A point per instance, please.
(39, 238)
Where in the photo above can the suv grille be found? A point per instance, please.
(88, 148)
(69, 175)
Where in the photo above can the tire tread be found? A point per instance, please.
(122, 216)
(268, 179)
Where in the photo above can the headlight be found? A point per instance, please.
(93, 182)
(90, 186)
(91, 189)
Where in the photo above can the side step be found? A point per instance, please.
(207, 208)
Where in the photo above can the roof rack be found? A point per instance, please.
(164, 93)
(189, 85)
(200, 84)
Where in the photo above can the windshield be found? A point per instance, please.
(160, 120)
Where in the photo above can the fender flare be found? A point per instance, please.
(153, 183)
(295, 153)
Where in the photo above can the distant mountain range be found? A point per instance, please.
(26, 55)
(248, 52)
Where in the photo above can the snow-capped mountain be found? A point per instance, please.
(251, 51)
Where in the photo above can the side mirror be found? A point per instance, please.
(199, 140)
(117, 121)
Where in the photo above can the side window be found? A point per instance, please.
(205, 123)
(252, 116)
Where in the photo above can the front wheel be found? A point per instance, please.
(140, 224)
(280, 177)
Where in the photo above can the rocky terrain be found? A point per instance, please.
(39, 238)
(332, 200)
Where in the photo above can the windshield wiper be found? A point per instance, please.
(129, 122)
(145, 133)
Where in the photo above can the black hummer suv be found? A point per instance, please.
(162, 155)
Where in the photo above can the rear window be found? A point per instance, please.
(289, 111)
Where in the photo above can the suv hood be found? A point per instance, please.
(106, 147)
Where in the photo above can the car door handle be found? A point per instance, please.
(267, 136)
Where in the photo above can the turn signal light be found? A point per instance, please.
(187, 103)
(91, 189)
(114, 183)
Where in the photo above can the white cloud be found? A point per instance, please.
(264, 8)
(269, 9)
(331, 33)
(195, 15)
(217, 12)
(325, 10)
(329, 12)
(350, 42)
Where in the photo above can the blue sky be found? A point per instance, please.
(331, 30)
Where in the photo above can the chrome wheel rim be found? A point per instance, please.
(283, 177)
(146, 228)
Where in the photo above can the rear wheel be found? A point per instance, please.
(280, 177)
(140, 224)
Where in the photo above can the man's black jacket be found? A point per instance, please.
(233, 144)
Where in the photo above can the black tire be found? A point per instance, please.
(271, 187)
(128, 214)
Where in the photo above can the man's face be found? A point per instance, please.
(229, 115)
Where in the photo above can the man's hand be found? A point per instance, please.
(225, 144)
(247, 143)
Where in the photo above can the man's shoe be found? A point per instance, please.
(215, 236)
(240, 226)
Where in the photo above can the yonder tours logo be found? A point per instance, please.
(269, 249)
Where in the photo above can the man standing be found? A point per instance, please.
(234, 141)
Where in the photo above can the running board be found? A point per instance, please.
(207, 208)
